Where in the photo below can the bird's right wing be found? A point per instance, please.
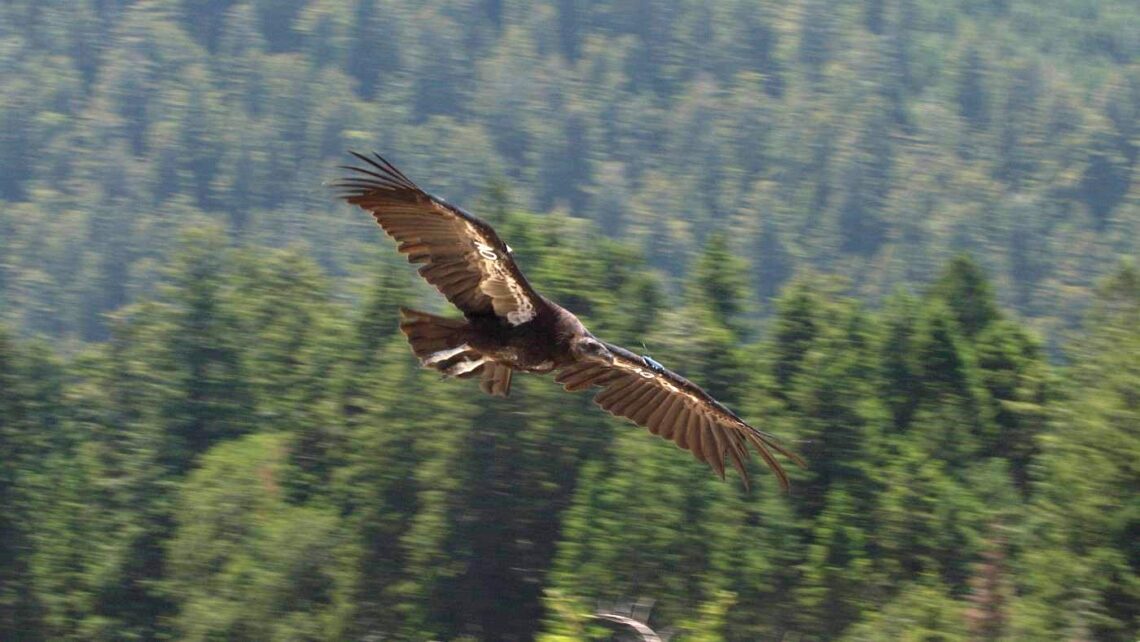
(672, 407)
(463, 257)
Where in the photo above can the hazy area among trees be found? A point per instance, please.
(900, 234)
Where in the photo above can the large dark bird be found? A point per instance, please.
(508, 327)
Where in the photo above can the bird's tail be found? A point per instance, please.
(441, 343)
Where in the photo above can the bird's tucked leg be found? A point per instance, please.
(444, 355)
(468, 364)
(496, 379)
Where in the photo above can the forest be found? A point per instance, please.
(902, 235)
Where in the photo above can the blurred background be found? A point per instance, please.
(900, 234)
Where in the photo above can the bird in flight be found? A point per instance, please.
(508, 327)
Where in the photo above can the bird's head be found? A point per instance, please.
(590, 348)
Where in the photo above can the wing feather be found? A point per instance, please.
(674, 408)
(659, 416)
(766, 455)
(681, 436)
(713, 453)
(670, 428)
(628, 401)
(614, 389)
(650, 405)
(738, 460)
(694, 438)
(639, 399)
(582, 378)
(446, 240)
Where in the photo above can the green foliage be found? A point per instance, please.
(796, 329)
(963, 286)
(1081, 536)
(204, 365)
(246, 564)
(227, 437)
(253, 461)
(922, 613)
(876, 140)
(719, 283)
(20, 611)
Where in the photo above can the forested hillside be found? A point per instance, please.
(874, 139)
(900, 234)
(248, 458)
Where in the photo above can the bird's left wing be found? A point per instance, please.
(463, 257)
(672, 407)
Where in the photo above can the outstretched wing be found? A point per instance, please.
(672, 407)
(463, 257)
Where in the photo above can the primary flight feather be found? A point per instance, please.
(509, 327)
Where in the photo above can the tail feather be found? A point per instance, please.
(430, 334)
(441, 343)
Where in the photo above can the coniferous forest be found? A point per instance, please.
(899, 234)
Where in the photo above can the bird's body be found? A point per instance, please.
(541, 346)
(508, 327)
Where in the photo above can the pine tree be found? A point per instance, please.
(210, 398)
(966, 291)
(973, 98)
(719, 284)
(795, 329)
(1079, 574)
(245, 564)
(900, 370)
(374, 52)
(20, 610)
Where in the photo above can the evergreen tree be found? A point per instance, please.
(795, 330)
(1082, 516)
(900, 370)
(374, 51)
(719, 283)
(209, 392)
(817, 38)
(973, 99)
(968, 294)
(221, 440)
(244, 564)
(20, 611)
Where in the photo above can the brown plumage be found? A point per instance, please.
(508, 327)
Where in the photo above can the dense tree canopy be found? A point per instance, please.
(876, 139)
(897, 233)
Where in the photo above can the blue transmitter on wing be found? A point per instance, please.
(651, 364)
